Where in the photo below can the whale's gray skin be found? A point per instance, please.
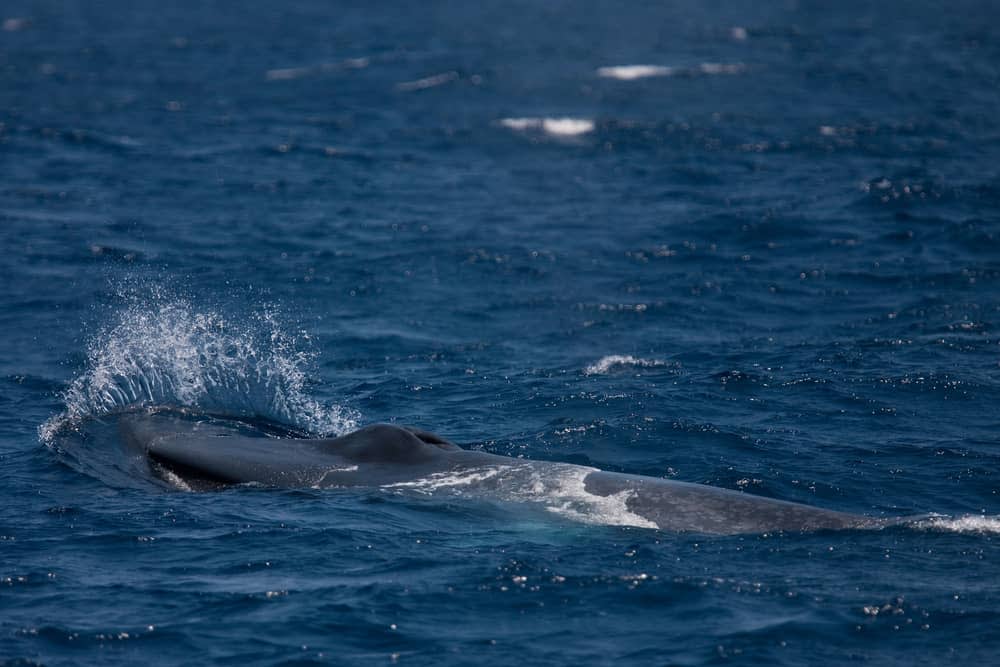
(206, 456)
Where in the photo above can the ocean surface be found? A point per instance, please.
(751, 245)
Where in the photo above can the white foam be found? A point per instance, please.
(559, 127)
(606, 364)
(15, 23)
(567, 127)
(522, 124)
(174, 479)
(353, 63)
(970, 523)
(721, 68)
(428, 82)
(632, 72)
(289, 73)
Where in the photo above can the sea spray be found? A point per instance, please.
(169, 352)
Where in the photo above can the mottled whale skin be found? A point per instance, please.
(206, 456)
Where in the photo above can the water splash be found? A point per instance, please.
(970, 523)
(171, 353)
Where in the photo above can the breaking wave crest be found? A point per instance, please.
(556, 127)
(633, 72)
(616, 361)
(173, 354)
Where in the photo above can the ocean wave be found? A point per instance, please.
(289, 73)
(172, 354)
(428, 82)
(558, 127)
(633, 72)
(614, 361)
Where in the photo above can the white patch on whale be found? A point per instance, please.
(569, 498)
(319, 483)
(450, 479)
(559, 488)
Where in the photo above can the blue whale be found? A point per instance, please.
(201, 454)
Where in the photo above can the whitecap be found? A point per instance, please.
(559, 127)
(721, 68)
(522, 123)
(632, 72)
(14, 24)
(612, 361)
(567, 127)
(428, 82)
(289, 73)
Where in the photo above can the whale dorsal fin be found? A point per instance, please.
(433, 439)
(385, 443)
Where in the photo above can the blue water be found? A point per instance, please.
(767, 261)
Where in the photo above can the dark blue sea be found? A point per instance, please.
(750, 245)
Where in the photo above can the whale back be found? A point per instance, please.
(207, 455)
(684, 506)
(386, 443)
(204, 454)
